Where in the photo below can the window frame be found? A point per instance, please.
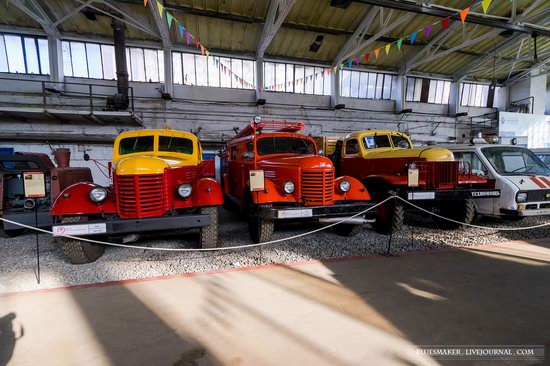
(24, 53)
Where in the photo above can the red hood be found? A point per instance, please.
(308, 162)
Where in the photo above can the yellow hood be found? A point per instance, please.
(429, 154)
(141, 165)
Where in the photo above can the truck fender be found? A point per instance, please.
(207, 192)
(273, 193)
(75, 200)
(357, 192)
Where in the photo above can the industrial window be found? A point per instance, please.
(214, 71)
(477, 95)
(97, 61)
(428, 90)
(367, 85)
(24, 55)
(291, 78)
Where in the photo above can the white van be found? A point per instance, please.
(523, 179)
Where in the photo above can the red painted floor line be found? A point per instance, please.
(258, 267)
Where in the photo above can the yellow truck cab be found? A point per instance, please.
(159, 182)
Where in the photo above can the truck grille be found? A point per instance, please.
(140, 196)
(317, 187)
(440, 174)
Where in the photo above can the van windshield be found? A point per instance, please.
(285, 145)
(508, 160)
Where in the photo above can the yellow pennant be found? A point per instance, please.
(161, 8)
(388, 46)
(485, 5)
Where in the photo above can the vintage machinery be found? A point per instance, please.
(279, 175)
(387, 163)
(160, 182)
(30, 204)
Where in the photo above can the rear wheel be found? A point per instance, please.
(390, 216)
(208, 235)
(261, 230)
(79, 251)
(463, 211)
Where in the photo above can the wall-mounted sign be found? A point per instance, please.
(35, 185)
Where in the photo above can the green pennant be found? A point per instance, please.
(399, 41)
(169, 18)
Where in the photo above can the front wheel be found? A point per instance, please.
(462, 211)
(390, 216)
(79, 251)
(261, 230)
(208, 235)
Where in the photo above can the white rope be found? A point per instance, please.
(201, 249)
(472, 225)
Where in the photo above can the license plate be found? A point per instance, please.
(291, 214)
(421, 196)
(84, 229)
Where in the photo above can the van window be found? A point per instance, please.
(374, 142)
(352, 147)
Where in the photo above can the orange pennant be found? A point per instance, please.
(464, 14)
(144, 2)
(376, 52)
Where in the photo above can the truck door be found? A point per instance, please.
(350, 161)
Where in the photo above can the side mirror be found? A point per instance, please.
(321, 152)
(249, 155)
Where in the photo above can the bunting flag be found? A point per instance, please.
(161, 8)
(196, 43)
(181, 29)
(388, 46)
(412, 37)
(428, 30)
(376, 52)
(187, 37)
(484, 4)
(349, 63)
(334, 68)
(367, 55)
(399, 41)
(445, 23)
(358, 60)
(464, 14)
(144, 2)
(169, 19)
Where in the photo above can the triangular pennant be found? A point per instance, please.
(144, 2)
(412, 37)
(202, 49)
(349, 63)
(464, 14)
(197, 43)
(334, 69)
(161, 8)
(358, 60)
(428, 30)
(182, 30)
(169, 19)
(399, 41)
(187, 37)
(367, 55)
(341, 66)
(207, 53)
(485, 5)
(376, 52)
(445, 23)
(388, 46)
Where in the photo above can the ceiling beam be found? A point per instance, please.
(434, 10)
(276, 14)
(526, 72)
(37, 13)
(358, 35)
(73, 12)
(378, 35)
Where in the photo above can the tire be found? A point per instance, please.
(208, 235)
(347, 230)
(390, 216)
(463, 211)
(78, 251)
(260, 230)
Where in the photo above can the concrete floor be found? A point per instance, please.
(342, 312)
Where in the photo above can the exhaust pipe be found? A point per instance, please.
(62, 158)
(353, 221)
(120, 101)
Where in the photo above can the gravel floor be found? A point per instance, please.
(18, 255)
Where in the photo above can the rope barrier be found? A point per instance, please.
(271, 241)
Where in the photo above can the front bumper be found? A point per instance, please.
(526, 212)
(131, 226)
(449, 194)
(41, 219)
(338, 210)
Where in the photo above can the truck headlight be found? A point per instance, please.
(185, 190)
(288, 187)
(521, 197)
(344, 186)
(98, 194)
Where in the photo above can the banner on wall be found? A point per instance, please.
(531, 130)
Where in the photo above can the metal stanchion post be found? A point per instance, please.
(37, 246)
(389, 245)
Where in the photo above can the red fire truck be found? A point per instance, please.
(279, 175)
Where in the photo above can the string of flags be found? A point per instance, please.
(423, 32)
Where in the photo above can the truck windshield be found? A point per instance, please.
(137, 144)
(374, 142)
(176, 144)
(285, 145)
(509, 160)
(400, 142)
